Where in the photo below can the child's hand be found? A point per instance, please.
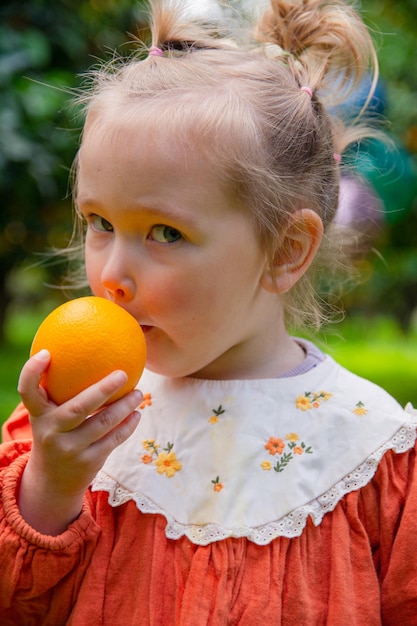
(69, 447)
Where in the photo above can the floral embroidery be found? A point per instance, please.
(166, 460)
(216, 413)
(147, 401)
(274, 446)
(360, 409)
(167, 464)
(277, 446)
(217, 485)
(312, 399)
(292, 437)
(149, 444)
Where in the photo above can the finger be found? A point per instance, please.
(119, 434)
(90, 458)
(114, 437)
(28, 385)
(74, 412)
(109, 417)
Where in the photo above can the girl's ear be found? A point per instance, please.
(299, 245)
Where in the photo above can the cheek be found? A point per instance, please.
(167, 298)
(180, 297)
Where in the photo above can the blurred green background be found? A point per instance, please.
(45, 47)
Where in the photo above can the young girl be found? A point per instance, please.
(263, 483)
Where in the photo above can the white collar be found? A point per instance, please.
(202, 455)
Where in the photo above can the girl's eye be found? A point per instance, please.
(100, 224)
(164, 234)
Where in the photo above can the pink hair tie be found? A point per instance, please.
(307, 90)
(337, 157)
(154, 51)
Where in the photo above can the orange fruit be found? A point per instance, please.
(88, 338)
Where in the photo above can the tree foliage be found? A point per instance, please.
(44, 47)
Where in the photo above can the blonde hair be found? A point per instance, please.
(243, 106)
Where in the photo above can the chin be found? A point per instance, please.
(176, 370)
(168, 370)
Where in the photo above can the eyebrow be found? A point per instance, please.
(168, 213)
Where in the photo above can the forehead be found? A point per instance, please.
(216, 123)
(126, 137)
(114, 146)
(130, 154)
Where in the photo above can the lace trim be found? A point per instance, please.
(292, 525)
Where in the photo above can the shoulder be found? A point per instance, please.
(396, 475)
(389, 500)
(346, 383)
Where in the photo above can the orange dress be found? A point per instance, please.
(116, 566)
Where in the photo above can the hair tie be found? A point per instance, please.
(307, 90)
(154, 51)
(337, 157)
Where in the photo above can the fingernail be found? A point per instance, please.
(42, 355)
(119, 376)
(138, 395)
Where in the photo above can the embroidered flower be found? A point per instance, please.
(312, 399)
(165, 461)
(213, 419)
(360, 409)
(292, 437)
(217, 485)
(325, 395)
(274, 446)
(146, 401)
(303, 403)
(168, 464)
(149, 444)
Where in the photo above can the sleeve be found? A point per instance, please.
(17, 426)
(391, 517)
(40, 575)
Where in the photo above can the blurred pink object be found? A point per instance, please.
(359, 207)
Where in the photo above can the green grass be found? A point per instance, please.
(12, 358)
(378, 351)
(14, 351)
(374, 349)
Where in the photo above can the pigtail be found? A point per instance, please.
(327, 50)
(174, 33)
(326, 38)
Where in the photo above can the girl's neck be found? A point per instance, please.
(279, 358)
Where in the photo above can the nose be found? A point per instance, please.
(116, 277)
